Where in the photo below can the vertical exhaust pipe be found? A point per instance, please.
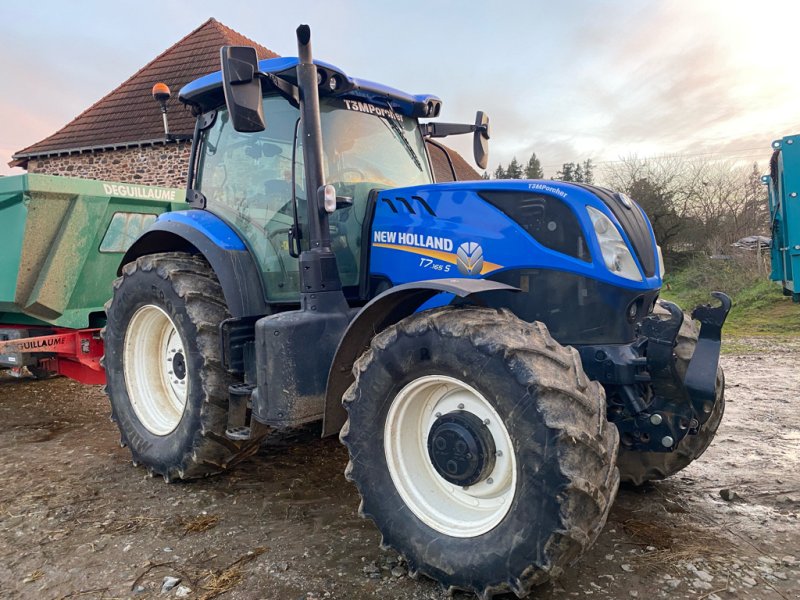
(319, 236)
(318, 268)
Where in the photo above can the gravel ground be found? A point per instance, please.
(77, 520)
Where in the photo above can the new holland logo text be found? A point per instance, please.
(413, 239)
(436, 252)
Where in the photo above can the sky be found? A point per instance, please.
(570, 81)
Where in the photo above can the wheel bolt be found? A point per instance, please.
(465, 488)
(667, 441)
(490, 481)
(499, 453)
(656, 419)
(486, 421)
(461, 406)
(438, 414)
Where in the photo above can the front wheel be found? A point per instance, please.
(480, 449)
(165, 380)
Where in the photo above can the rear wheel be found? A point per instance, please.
(638, 468)
(480, 449)
(167, 387)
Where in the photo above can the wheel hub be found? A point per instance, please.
(461, 448)
(179, 365)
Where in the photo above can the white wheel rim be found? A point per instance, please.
(155, 368)
(443, 506)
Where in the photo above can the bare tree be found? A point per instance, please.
(700, 205)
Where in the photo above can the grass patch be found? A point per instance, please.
(759, 306)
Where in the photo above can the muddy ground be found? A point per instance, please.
(77, 520)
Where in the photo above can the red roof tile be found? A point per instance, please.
(129, 114)
(441, 167)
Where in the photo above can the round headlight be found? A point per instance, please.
(601, 226)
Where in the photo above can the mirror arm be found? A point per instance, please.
(285, 89)
(440, 130)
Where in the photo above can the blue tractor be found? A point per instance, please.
(493, 354)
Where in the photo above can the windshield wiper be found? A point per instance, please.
(398, 131)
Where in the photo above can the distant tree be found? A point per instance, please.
(567, 172)
(485, 175)
(533, 170)
(577, 172)
(659, 204)
(500, 172)
(514, 170)
(588, 171)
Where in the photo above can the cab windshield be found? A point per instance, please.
(247, 179)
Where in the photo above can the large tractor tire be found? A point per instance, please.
(165, 380)
(480, 449)
(638, 468)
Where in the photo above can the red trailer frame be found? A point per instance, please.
(77, 352)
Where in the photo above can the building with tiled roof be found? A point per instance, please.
(121, 136)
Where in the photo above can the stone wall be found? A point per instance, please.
(163, 165)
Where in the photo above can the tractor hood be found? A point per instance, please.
(519, 224)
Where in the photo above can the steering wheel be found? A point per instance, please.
(341, 175)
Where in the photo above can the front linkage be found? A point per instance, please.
(653, 407)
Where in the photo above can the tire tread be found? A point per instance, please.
(192, 279)
(571, 412)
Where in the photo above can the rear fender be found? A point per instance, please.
(381, 312)
(201, 232)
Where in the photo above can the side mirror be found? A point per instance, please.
(242, 88)
(480, 141)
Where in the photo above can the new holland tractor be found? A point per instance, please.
(493, 354)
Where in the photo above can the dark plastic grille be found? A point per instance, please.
(547, 219)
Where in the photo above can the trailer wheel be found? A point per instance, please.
(165, 380)
(638, 468)
(40, 372)
(480, 449)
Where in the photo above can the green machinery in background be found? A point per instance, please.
(784, 206)
(62, 242)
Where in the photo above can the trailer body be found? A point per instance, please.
(783, 183)
(63, 239)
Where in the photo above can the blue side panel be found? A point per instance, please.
(784, 195)
(209, 225)
(412, 243)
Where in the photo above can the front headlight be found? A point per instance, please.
(617, 256)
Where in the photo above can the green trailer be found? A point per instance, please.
(63, 239)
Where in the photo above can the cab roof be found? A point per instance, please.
(206, 92)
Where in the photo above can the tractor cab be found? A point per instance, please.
(250, 180)
(371, 140)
